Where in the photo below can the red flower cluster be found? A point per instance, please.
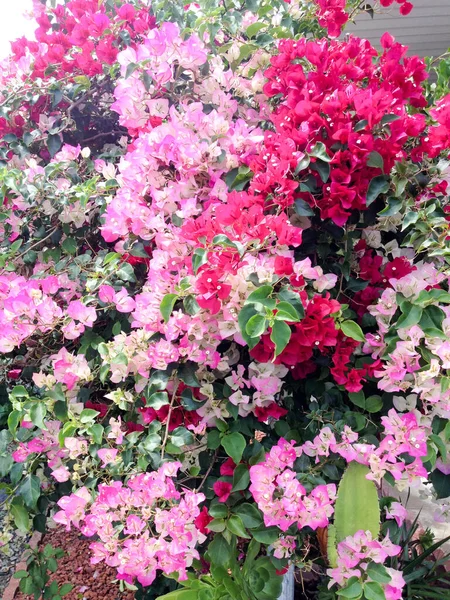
(81, 37)
(344, 108)
(405, 6)
(332, 16)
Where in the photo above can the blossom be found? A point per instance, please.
(222, 489)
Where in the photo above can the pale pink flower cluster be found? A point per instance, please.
(143, 526)
(48, 443)
(282, 498)
(67, 368)
(28, 306)
(402, 434)
(354, 555)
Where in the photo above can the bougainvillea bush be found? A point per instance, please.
(224, 292)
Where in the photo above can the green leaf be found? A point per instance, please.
(30, 490)
(302, 164)
(374, 591)
(217, 525)
(259, 294)
(180, 595)
(234, 445)
(358, 399)
(286, 312)
(375, 160)
(374, 404)
(378, 572)
(354, 590)
(249, 514)
(255, 28)
(245, 314)
(389, 119)
(241, 478)
(392, 208)
(70, 246)
(19, 391)
(409, 219)
(302, 208)
(20, 516)
(219, 551)
(14, 420)
(166, 306)
(186, 372)
(157, 400)
(54, 143)
(37, 414)
(411, 316)
(65, 589)
(88, 415)
(287, 295)
(191, 306)
(256, 326)
(199, 258)
(352, 330)
(323, 168)
(320, 151)
(280, 336)
(267, 536)
(236, 526)
(378, 185)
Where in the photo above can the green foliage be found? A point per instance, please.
(35, 580)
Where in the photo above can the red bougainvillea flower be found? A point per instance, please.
(222, 489)
(201, 522)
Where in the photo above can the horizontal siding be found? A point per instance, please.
(426, 30)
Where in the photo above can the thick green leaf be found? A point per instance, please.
(374, 404)
(166, 306)
(256, 326)
(241, 478)
(37, 414)
(280, 336)
(20, 516)
(259, 294)
(234, 445)
(180, 595)
(250, 515)
(352, 330)
(30, 490)
(320, 151)
(378, 572)
(287, 312)
(236, 526)
(302, 208)
(374, 591)
(352, 591)
(378, 185)
(411, 316)
(219, 550)
(375, 160)
(268, 535)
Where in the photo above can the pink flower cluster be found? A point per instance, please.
(29, 306)
(402, 435)
(281, 497)
(143, 525)
(354, 555)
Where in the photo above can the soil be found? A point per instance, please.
(90, 582)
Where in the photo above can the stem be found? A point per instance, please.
(172, 401)
(208, 471)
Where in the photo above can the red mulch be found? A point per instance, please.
(90, 582)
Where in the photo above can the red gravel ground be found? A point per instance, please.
(90, 582)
